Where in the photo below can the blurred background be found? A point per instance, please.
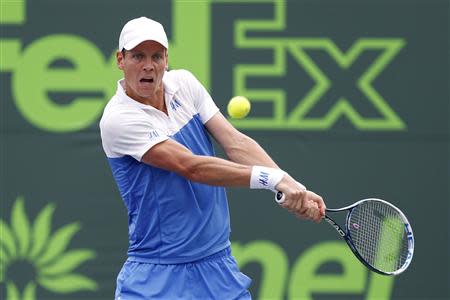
(350, 97)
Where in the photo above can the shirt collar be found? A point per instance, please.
(170, 86)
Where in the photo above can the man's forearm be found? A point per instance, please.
(248, 152)
(216, 171)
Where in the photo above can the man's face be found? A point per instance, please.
(143, 68)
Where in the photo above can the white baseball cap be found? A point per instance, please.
(142, 29)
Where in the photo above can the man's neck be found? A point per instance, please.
(156, 100)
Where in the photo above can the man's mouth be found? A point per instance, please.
(146, 80)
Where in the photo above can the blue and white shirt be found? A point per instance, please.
(170, 219)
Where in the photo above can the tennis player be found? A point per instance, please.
(155, 132)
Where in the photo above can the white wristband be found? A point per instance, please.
(265, 178)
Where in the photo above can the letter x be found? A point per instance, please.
(383, 118)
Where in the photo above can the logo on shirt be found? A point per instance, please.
(153, 134)
(175, 104)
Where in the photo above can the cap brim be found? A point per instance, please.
(131, 44)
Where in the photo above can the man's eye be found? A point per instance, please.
(138, 56)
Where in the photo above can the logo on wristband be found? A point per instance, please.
(263, 178)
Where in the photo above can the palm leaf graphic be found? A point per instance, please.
(20, 226)
(41, 230)
(67, 262)
(2, 274)
(6, 239)
(68, 283)
(58, 243)
(3, 257)
(30, 291)
(11, 291)
(45, 251)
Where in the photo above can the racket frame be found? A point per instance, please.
(347, 236)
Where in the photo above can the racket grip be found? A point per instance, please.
(279, 197)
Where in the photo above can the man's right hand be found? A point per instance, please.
(303, 203)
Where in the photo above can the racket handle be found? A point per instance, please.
(279, 197)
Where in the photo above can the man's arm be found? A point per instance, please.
(244, 150)
(172, 156)
(238, 147)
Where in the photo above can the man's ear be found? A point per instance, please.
(167, 59)
(120, 57)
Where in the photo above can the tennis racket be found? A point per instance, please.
(377, 232)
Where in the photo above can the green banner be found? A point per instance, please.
(349, 97)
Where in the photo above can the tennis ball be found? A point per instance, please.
(238, 107)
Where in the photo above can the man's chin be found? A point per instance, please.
(146, 92)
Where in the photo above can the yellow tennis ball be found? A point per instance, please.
(238, 107)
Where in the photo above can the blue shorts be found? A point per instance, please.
(214, 277)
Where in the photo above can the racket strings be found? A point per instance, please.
(378, 233)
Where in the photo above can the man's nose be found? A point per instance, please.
(148, 65)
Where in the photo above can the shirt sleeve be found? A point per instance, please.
(129, 132)
(202, 100)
